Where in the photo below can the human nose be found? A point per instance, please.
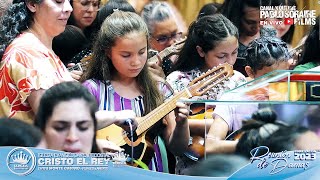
(90, 7)
(67, 6)
(72, 135)
(136, 60)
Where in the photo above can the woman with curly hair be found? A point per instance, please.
(28, 64)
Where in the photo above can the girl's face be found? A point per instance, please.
(85, 12)
(165, 34)
(70, 129)
(225, 51)
(129, 54)
(51, 15)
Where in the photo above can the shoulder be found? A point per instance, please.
(93, 83)
(238, 77)
(25, 47)
(176, 75)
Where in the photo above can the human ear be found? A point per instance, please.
(249, 71)
(31, 6)
(200, 51)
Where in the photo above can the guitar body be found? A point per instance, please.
(143, 148)
(196, 150)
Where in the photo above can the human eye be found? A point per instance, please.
(60, 126)
(84, 125)
(141, 52)
(162, 39)
(250, 22)
(125, 55)
(84, 3)
(221, 56)
(59, 1)
(95, 3)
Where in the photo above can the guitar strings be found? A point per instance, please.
(131, 134)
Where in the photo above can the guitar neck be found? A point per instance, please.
(160, 55)
(77, 67)
(145, 122)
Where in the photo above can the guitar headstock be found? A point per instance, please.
(297, 50)
(210, 79)
(85, 60)
(176, 47)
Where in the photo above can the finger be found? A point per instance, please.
(77, 72)
(71, 64)
(75, 76)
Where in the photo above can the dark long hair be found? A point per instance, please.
(65, 91)
(312, 45)
(101, 68)
(17, 19)
(289, 35)
(206, 32)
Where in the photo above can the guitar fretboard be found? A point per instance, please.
(154, 116)
(160, 55)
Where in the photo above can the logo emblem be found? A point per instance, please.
(288, 21)
(21, 161)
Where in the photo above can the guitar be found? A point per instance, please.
(168, 51)
(196, 148)
(82, 65)
(295, 53)
(141, 144)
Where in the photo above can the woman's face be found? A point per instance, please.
(165, 33)
(250, 22)
(225, 51)
(51, 16)
(84, 12)
(282, 29)
(70, 127)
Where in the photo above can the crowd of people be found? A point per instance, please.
(46, 102)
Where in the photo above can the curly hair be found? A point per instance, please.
(101, 68)
(266, 50)
(17, 19)
(205, 32)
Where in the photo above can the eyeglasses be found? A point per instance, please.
(85, 4)
(165, 39)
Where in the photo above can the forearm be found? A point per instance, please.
(105, 118)
(179, 139)
(199, 127)
(215, 145)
